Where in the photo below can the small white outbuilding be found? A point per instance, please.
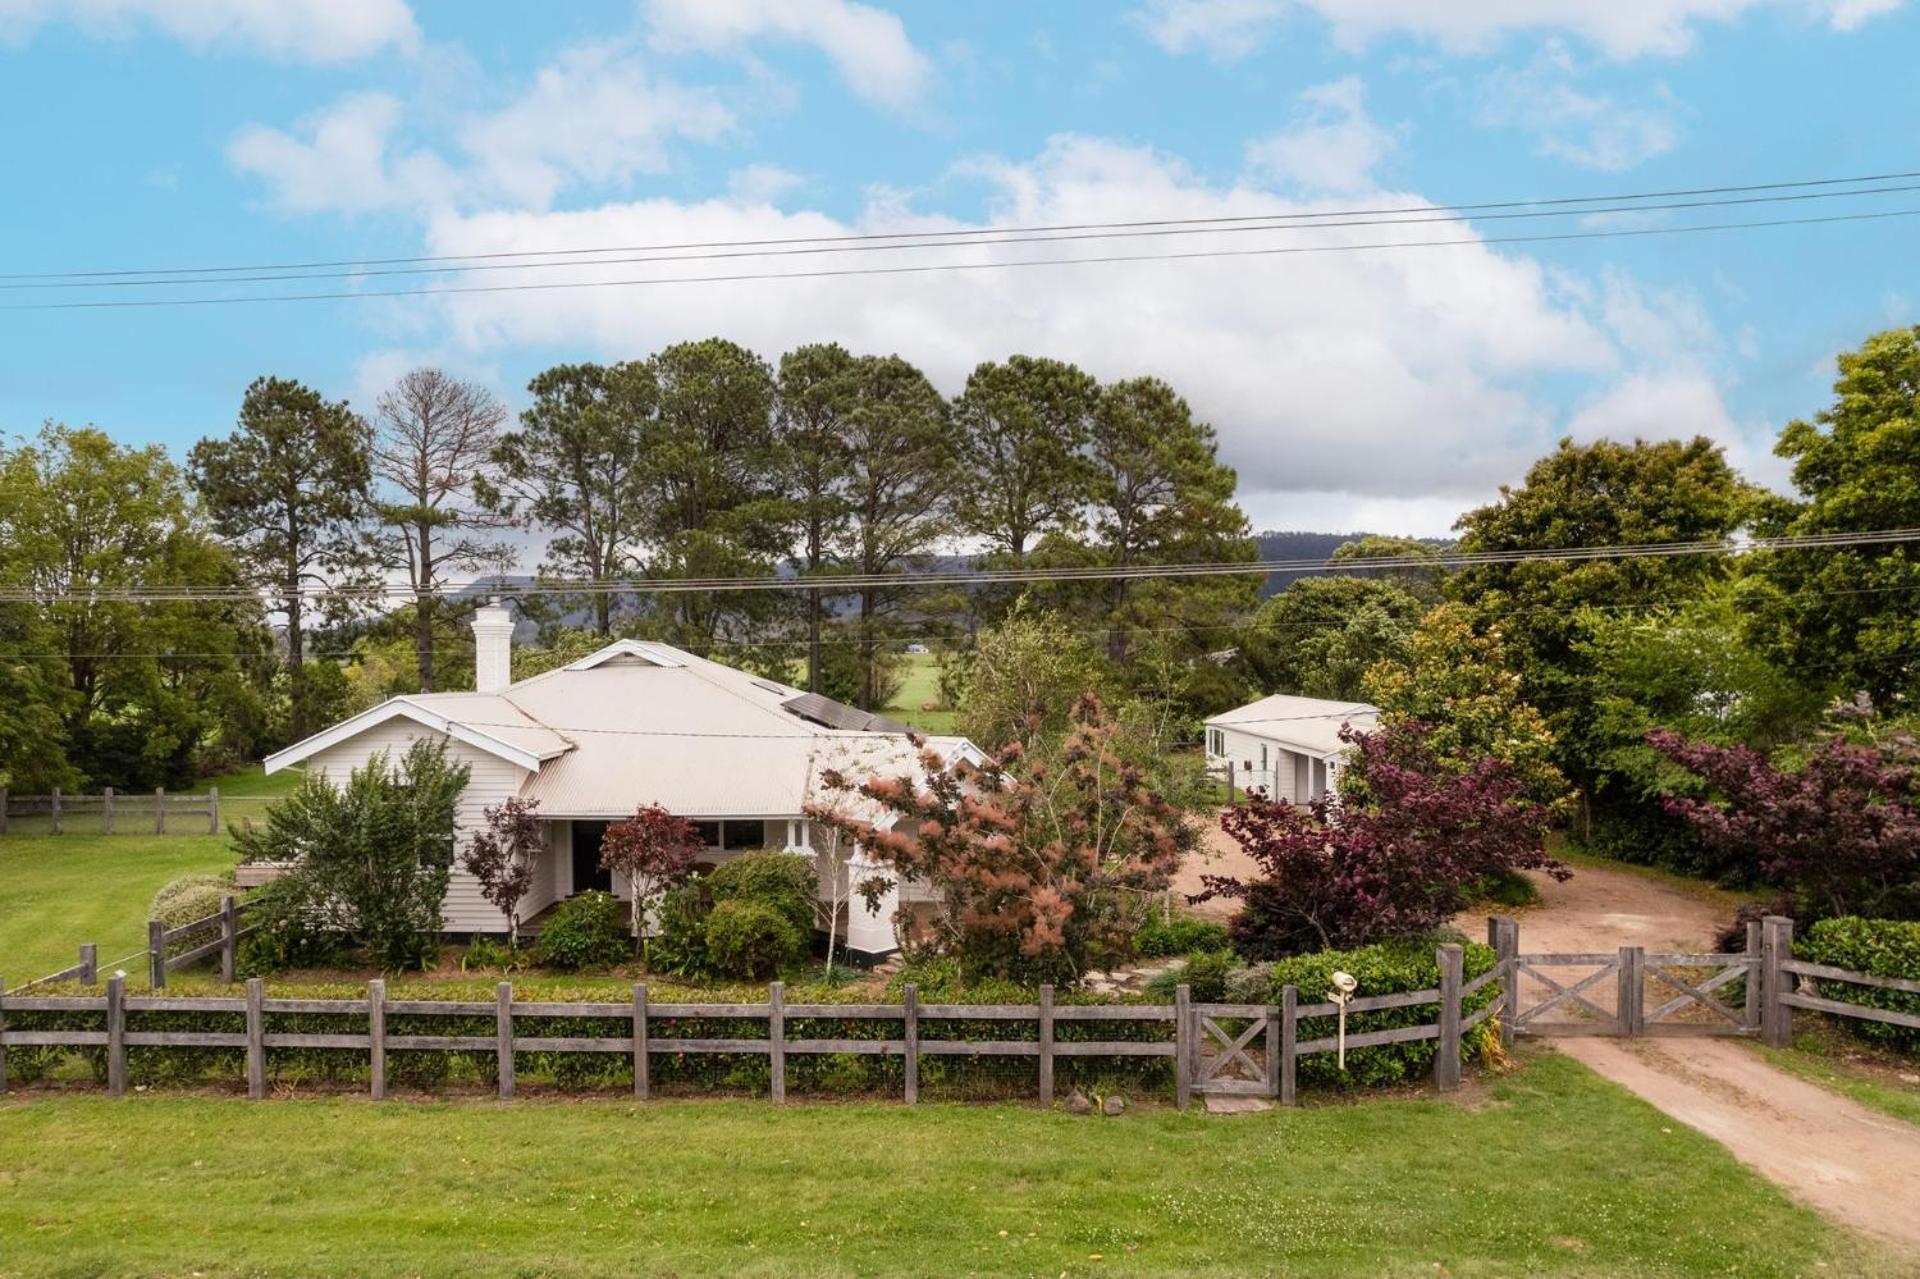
(1288, 746)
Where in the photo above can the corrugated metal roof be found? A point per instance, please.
(1311, 724)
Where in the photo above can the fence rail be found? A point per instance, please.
(128, 813)
(222, 930)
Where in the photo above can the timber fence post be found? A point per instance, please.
(1046, 1045)
(3, 810)
(89, 964)
(1446, 1057)
(1503, 934)
(1629, 999)
(377, 1038)
(1776, 947)
(1289, 1041)
(1273, 1050)
(106, 810)
(213, 810)
(777, 1040)
(55, 810)
(116, 1035)
(1752, 1010)
(229, 938)
(641, 1079)
(256, 1038)
(503, 1037)
(1182, 1037)
(159, 810)
(912, 1033)
(3, 1034)
(156, 954)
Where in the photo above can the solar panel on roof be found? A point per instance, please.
(828, 713)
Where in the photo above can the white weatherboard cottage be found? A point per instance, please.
(636, 723)
(1288, 746)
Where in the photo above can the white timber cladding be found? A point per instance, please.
(491, 781)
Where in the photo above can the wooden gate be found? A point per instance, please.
(1632, 992)
(1223, 1040)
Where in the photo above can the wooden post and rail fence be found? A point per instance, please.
(119, 813)
(1214, 1048)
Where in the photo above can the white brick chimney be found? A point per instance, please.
(492, 648)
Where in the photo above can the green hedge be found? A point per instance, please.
(1160, 937)
(1386, 969)
(847, 1074)
(1879, 947)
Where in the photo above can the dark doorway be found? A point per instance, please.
(588, 873)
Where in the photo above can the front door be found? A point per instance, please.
(588, 873)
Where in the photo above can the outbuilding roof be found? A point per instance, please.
(1309, 724)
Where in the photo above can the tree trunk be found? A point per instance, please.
(813, 640)
(423, 637)
(867, 690)
(296, 668)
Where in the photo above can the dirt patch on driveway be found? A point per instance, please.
(1603, 908)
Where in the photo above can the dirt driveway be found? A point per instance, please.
(1858, 1166)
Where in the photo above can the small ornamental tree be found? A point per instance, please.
(655, 850)
(1394, 856)
(1842, 832)
(1037, 861)
(501, 855)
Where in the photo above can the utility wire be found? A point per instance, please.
(868, 237)
(181, 279)
(932, 268)
(988, 577)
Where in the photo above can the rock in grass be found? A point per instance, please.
(1077, 1104)
(1113, 1105)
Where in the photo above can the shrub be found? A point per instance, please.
(1181, 935)
(288, 931)
(783, 883)
(1880, 947)
(680, 945)
(1383, 969)
(1507, 888)
(488, 954)
(1205, 973)
(586, 932)
(752, 939)
(185, 899)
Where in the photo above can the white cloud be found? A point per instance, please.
(1402, 384)
(869, 47)
(342, 159)
(764, 183)
(1621, 28)
(594, 115)
(1222, 29)
(293, 30)
(1592, 130)
(1332, 144)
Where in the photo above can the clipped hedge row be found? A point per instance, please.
(842, 1074)
(1388, 968)
(1879, 947)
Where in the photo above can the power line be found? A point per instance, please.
(867, 237)
(176, 279)
(932, 268)
(988, 577)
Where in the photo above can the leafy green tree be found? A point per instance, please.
(436, 435)
(898, 478)
(372, 857)
(816, 389)
(1458, 681)
(574, 470)
(115, 692)
(1851, 614)
(1424, 582)
(1320, 636)
(1583, 495)
(710, 503)
(1022, 678)
(289, 491)
(1158, 494)
(1020, 430)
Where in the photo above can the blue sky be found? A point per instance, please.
(1381, 390)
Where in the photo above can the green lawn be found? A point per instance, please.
(1556, 1173)
(1870, 1078)
(921, 686)
(57, 891)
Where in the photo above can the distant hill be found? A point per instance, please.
(1300, 545)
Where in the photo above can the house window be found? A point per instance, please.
(739, 835)
(1216, 742)
(709, 833)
